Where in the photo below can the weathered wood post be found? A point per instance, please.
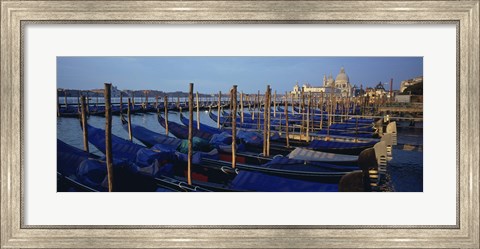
(218, 108)
(84, 124)
(190, 134)
(259, 108)
(302, 109)
(307, 134)
(264, 122)
(88, 104)
(268, 111)
(146, 100)
(254, 106)
(133, 99)
(129, 117)
(108, 135)
(275, 104)
(198, 112)
(286, 121)
(234, 127)
(241, 107)
(165, 103)
(321, 111)
(156, 103)
(356, 130)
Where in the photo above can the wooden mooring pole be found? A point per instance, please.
(268, 111)
(259, 108)
(321, 111)
(165, 103)
(218, 108)
(275, 104)
(84, 124)
(198, 112)
(129, 117)
(307, 134)
(108, 135)
(286, 121)
(254, 106)
(241, 106)
(234, 126)
(146, 100)
(190, 134)
(264, 122)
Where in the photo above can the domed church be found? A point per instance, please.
(340, 86)
(341, 83)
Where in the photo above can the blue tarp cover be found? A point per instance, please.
(255, 181)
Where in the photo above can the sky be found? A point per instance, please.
(213, 74)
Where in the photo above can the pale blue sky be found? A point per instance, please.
(213, 74)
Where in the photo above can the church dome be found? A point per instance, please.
(342, 77)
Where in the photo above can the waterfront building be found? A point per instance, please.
(340, 86)
(410, 82)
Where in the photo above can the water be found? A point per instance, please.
(405, 169)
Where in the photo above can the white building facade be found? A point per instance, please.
(341, 86)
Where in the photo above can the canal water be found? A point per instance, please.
(405, 169)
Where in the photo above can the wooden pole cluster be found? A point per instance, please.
(234, 126)
(190, 134)
(108, 135)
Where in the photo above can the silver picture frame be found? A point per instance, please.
(16, 14)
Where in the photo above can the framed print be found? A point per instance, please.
(87, 88)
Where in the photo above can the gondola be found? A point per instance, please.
(78, 170)
(280, 165)
(314, 171)
(278, 146)
(179, 130)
